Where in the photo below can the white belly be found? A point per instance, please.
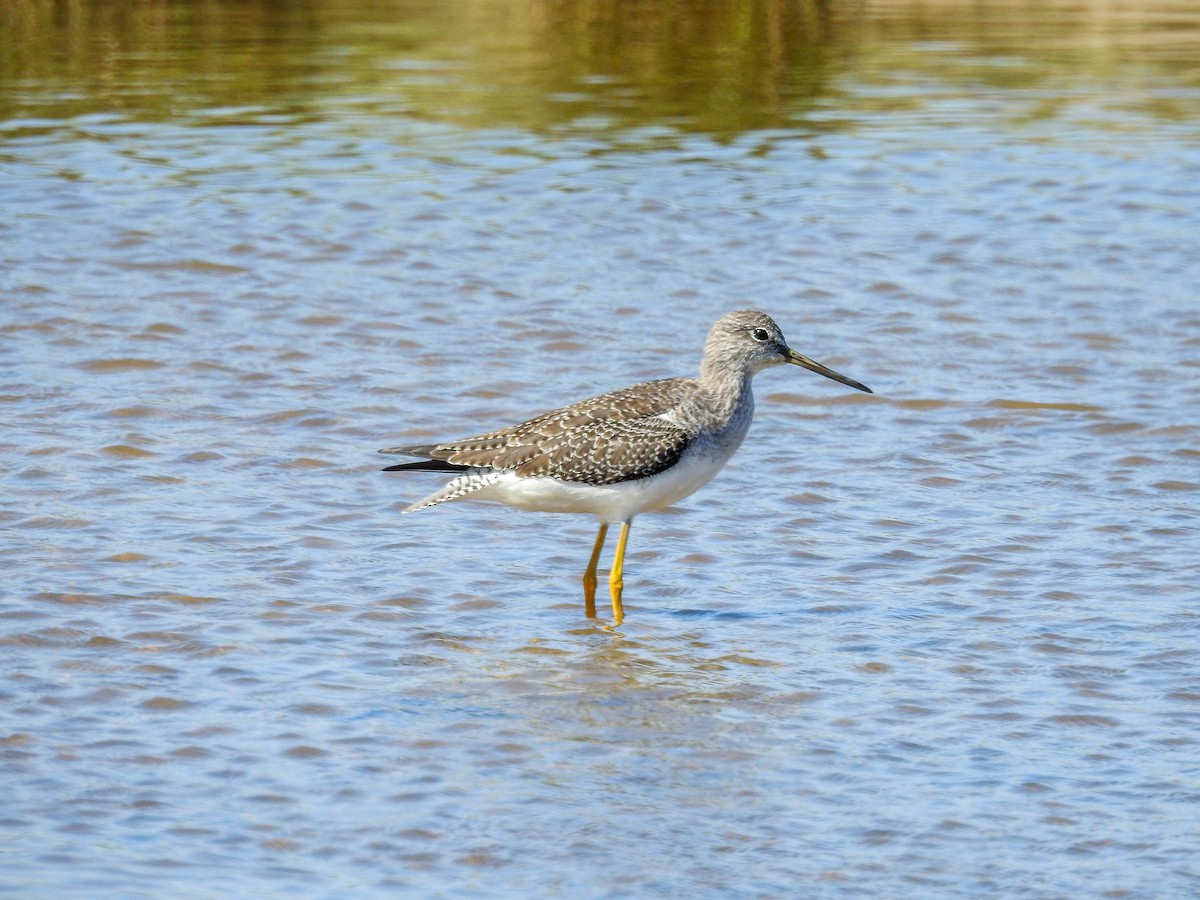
(607, 502)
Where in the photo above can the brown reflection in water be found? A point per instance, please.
(716, 66)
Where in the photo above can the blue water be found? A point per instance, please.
(938, 641)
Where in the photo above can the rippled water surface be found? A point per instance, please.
(939, 641)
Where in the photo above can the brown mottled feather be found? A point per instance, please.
(618, 436)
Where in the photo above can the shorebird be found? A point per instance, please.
(623, 453)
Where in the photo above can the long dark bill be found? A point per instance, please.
(805, 363)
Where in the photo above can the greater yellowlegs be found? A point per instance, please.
(622, 453)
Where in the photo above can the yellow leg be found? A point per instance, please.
(615, 579)
(589, 576)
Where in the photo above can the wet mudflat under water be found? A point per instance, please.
(939, 641)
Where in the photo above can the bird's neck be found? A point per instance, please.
(727, 388)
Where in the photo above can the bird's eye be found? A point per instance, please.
(761, 335)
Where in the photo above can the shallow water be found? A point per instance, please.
(939, 641)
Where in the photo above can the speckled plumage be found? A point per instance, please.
(618, 436)
(624, 452)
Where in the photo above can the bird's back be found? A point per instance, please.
(621, 435)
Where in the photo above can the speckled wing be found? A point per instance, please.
(619, 436)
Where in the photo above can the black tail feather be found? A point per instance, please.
(427, 465)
